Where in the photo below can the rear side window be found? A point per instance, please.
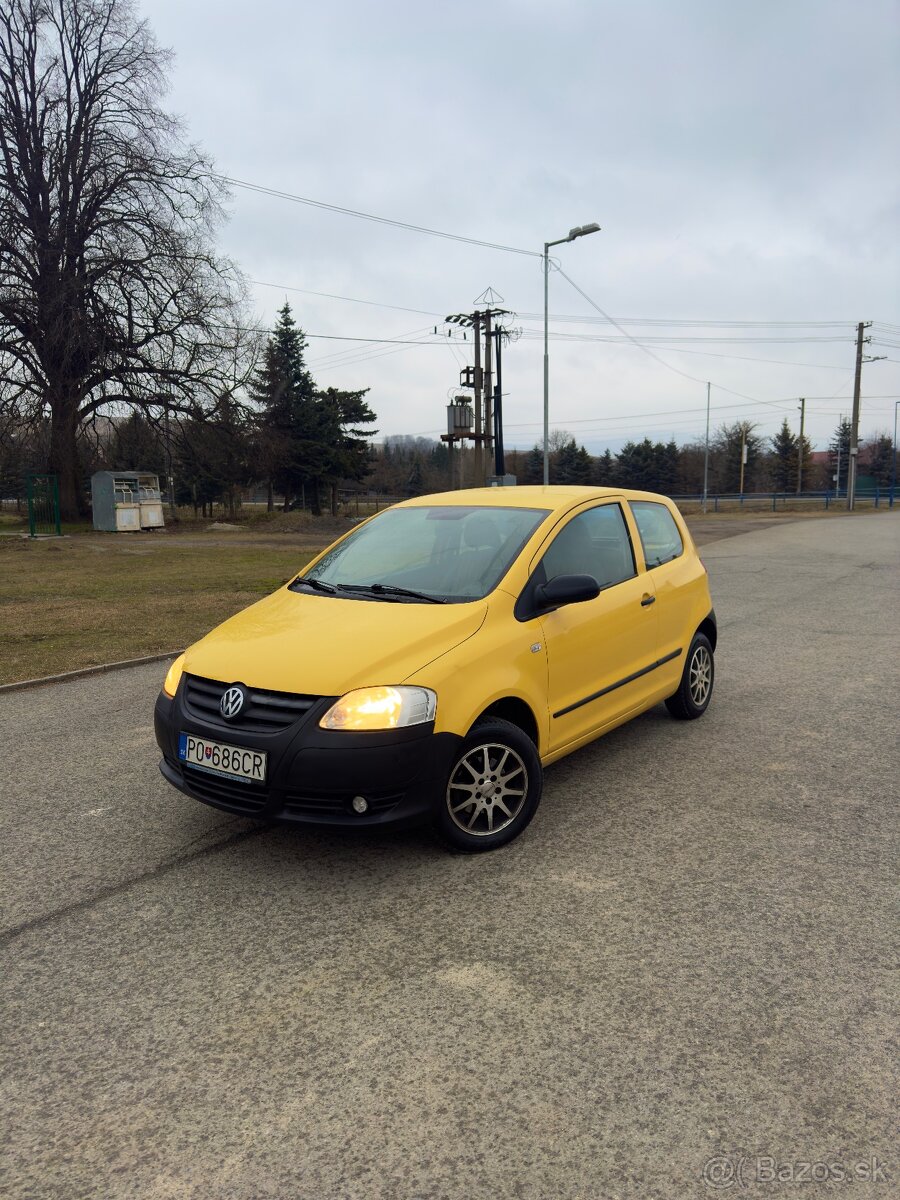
(595, 543)
(659, 533)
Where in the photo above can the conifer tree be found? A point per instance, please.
(604, 470)
(839, 455)
(292, 435)
(878, 458)
(784, 458)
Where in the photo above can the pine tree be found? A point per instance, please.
(667, 460)
(292, 436)
(534, 466)
(339, 417)
(582, 468)
(637, 465)
(839, 455)
(878, 454)
(784, 458)
(566, 458)
(727, 444)
(604, 470)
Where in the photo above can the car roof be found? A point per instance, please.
(553, 498)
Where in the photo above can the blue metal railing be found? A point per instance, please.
(876, 496)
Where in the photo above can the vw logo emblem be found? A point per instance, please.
(232, 702)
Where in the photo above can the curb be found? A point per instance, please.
(85, 671)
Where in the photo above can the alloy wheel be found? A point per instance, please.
(700, 680)
(487, 789)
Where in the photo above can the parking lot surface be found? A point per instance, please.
(685, 959)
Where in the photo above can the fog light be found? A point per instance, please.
(360, 804)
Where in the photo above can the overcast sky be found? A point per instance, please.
(741, 159)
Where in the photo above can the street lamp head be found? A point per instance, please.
(581, 230)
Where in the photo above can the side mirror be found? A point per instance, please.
(566, 589)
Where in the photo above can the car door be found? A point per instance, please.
(676, 576)
(598, 652)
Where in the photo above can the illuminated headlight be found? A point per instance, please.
(170, 686)
(381, 708)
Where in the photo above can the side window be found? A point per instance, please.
(659, 533)
(595, 543)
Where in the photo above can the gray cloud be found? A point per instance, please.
(741, 160)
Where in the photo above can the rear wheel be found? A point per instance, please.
(494, 787)
(695, 690)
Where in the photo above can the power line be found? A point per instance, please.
(696, 322)
(667, 342)
(647, 350)
(330, 337)
(360, 353)
(661, 322)
(364, 216)
(423, 312)
(662, 338)
(782, 362)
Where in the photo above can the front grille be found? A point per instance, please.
(263, 712)
(247, 797)
(328, 805)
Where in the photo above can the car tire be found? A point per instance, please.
(493, 788)
(695, 690)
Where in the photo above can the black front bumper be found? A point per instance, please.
(313, 774)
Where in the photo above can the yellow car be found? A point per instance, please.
(430, 663)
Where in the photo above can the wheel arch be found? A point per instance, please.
(515, 710)
(708, 627)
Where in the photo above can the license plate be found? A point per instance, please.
(218, 758)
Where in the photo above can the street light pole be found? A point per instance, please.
(894, 458)
(546, 365)
(577, 232)
(706, 455)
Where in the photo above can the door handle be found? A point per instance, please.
(647, 601)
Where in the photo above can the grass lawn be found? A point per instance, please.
(97, 598)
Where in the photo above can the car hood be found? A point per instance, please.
(319, 645)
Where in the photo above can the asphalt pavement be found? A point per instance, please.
(683, 965)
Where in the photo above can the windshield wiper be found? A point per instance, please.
(329, 588)
(388, 589)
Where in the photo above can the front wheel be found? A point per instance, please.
(493, 789)
(695, 690)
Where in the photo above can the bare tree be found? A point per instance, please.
(111, 292)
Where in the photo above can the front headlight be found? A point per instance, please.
(173, 677)
(381, 708)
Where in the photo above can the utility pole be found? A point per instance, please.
(706, 454)
(854, 420)
(800, 447)
(170, 482)
(479, 458)
(488, 401)
(743, 455)
(487, 425)
(499, 456)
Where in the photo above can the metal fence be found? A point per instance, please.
(43, 506)
(786, 501)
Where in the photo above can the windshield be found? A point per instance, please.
(454, 553)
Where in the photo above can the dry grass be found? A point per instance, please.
(81, 601)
